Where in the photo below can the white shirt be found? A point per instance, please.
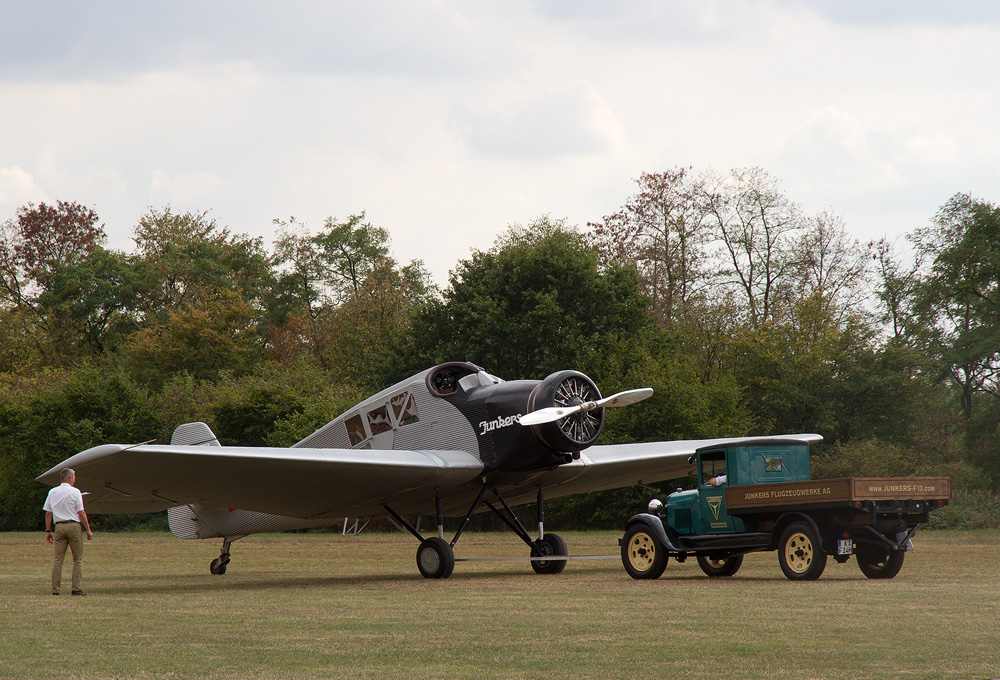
(65, 503)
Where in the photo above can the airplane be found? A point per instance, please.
(447, 441)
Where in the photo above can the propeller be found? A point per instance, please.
(553, 413)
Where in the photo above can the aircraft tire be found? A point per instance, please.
(877, 562)
(435, 558)
(218, 567)
(800, 554)
(550, 544)
(720, 567)
(642, 554)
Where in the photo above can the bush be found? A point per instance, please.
(968, 510)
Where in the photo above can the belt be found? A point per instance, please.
(68, 521)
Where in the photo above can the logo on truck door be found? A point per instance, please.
(714, 503)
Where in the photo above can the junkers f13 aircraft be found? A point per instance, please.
(446, 441)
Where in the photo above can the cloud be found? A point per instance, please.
(18, 187)
(189, 188)
(571, 121)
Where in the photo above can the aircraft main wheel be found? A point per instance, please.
(800, 554)
(550, 544)
(642, 554)
(726, 566)
(218, 566)
(878, 562)
(435, 558)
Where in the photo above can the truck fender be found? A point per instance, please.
(788, 518)
(655, 526)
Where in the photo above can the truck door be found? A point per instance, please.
(712, 515)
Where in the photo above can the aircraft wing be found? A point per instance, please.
(619, 465)
(294, 482)
(332, 483)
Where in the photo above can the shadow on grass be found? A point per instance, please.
(252, 584)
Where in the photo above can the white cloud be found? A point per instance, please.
(541, 124)
(454, 119)
(18, 187)
(934, 149)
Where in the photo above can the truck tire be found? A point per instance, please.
(643, 556)
(800, 554)
(726, 566)
(878, 562)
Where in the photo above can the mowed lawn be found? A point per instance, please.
(327, 606)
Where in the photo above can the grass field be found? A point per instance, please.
(326, 606)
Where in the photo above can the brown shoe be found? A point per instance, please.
(78, 592)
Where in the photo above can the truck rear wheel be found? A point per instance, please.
(726, 566)
(642, 554)
(877, 562)
(800, 554)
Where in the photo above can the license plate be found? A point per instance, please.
(845, 547)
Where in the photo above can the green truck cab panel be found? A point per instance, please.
(702, 510)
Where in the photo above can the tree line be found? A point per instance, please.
(743, 313)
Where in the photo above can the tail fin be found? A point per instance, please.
(194, 434)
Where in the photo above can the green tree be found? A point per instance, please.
(958, 300)
(205, 338)
(186, 258)
(64, 290)
(341, 298)
(46, 418)
(537, 302)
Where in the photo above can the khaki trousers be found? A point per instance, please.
(67, 534)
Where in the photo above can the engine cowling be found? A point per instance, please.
(574, 432)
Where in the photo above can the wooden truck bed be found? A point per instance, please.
(833, 492)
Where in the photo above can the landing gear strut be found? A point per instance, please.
(436, 556)
(218, 565)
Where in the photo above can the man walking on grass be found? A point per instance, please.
(64, 507)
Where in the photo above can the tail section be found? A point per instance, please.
(209, 521)
(194, 434)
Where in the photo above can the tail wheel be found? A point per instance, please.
(878, 562)
(800, 554)
(721, 567)
(435, 558)
(577, 431)
(550, 544)
(642, 554)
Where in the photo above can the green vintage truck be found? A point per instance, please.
(765, 500)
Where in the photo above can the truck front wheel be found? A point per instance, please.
(878, 562)
(642, 554)
(726, 566)
(799, 553)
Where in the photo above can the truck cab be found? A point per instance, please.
(702, 510)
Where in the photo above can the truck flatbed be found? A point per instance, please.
(753, 498)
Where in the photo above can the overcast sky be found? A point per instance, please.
(449, 121)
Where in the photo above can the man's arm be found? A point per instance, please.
(86, 523)
(48, 526)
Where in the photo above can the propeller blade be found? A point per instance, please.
(553, 413)
(626, 398)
